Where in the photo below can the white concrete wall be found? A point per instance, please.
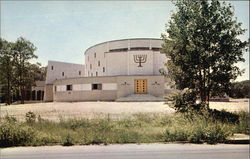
(70, 71)
(122, 62)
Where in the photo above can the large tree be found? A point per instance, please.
(17, 74)
(202, 44)
(6, 69)
(23, 53)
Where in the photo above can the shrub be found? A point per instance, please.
(68, 141)
(223, 116)
(10, 119)
(198, 130)
(244, 123)
(30, 117)
(185, 101)
(15, 135)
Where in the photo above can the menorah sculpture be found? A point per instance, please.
(140, 59)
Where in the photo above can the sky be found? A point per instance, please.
(63, 30)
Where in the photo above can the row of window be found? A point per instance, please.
(90, 65)
(96, 73)
(79, 72)
(95, 86)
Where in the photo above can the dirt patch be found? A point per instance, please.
(57, 110)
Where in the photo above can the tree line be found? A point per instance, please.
(17, 72)
(240, 89)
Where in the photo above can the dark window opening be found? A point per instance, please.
(156, 49)
(52, 67)
(96, 86)
(80, 73)
(62, 73)
(139, 48)
(99, 63)
(103, 69)
(96, 73)
(55, 88)
(69, 88)
(95, 55)
(118, 50)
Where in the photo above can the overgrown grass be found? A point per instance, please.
(139, 128)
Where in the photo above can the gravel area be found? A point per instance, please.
(57, 110)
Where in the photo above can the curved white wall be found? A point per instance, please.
(117, 58)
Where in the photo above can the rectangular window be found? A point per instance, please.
(96, 73)
(96, 86)
(95, 55)
(80, 73)
(62, 73)
(99, 63)
(51, 67)
(55, 88)
(103, 69)
(69, 88)
(90, 66)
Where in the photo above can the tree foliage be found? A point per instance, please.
(202, 45)
(17, 73)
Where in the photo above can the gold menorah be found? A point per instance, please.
(140, 59)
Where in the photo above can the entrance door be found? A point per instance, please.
(140, 86)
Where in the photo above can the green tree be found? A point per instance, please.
(202, 45)
(23, 53)
(6, 70)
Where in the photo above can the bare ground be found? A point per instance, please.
(57, 110)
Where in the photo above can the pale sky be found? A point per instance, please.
(63, 30)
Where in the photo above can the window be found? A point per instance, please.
(55, 88)
(90, 66)
(96, 73)
(103, 69)
(88, 73)
(62, 73)
(80, 73)
(95, 55)
(91, 74)
(99, 63)
(51, 67)
(96, 86)
(69, 88)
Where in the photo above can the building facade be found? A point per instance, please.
(112, 70)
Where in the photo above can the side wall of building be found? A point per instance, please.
(61, 70)
(118, 58)
(48, 93)
(81, 89)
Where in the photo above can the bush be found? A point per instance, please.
(30, 117)
(15, 135)
(198, 130)
(10, 119)
(244, 123)
(68, 141)
(185, 101)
